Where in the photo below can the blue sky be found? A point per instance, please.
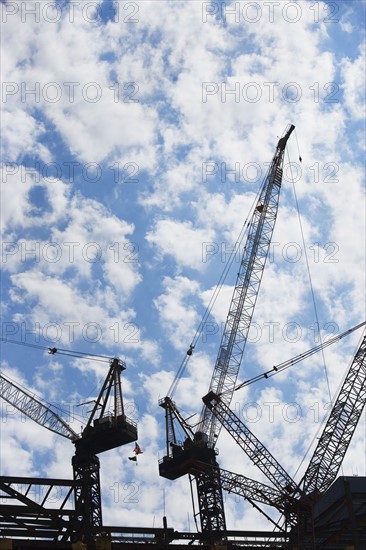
(134, 140)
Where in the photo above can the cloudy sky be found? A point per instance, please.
(135, 138)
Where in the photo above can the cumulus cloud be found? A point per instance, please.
(178, 113)
(353, 73)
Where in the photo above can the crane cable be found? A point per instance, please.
(215, 294)
(67, 353)
(290, 362)
(192, 498)
(298, 148)
(60, 351)
(208, 309)
(309, 273)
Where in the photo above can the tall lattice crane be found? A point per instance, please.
(325, 462)
(107, 428)
(200, 446)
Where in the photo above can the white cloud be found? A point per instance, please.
(169, 134)
(79, 93)
(353, 76)
(21, 132)
(176, 312)
(180, 240)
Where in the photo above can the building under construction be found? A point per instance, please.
(322, 511)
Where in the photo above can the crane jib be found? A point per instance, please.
(283, 140)
(183, 458)
(245, 291)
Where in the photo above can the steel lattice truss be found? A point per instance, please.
(211, 503)
(340, 427)
(255, 450)
(231, 349)
(34, 409)
(259, 232)
(36, 507)
(88, 500)
(298, 501)
(250, 489)
(245, 294)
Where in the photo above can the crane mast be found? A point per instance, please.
(246, 289)
(179, 459)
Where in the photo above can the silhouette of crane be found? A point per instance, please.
(107, 428)
(200, 445)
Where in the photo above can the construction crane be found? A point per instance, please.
(325, 462)
(200, 446)
(107, 428)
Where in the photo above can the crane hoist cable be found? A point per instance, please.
(309, 275)
(290, 362)
(218, 287)
(298, 148)
(60, 351)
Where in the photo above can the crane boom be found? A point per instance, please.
(201, 447)
(34, 409)
(248, 488)
(340, 427)
(246, 289)
(255, 450)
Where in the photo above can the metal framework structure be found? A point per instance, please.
(27, 508)
(246, 289)
(35, 409)
(326, 460)
(107, 428)
(339, 429)
(250, 444)
(37, 507)
(229, 357)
